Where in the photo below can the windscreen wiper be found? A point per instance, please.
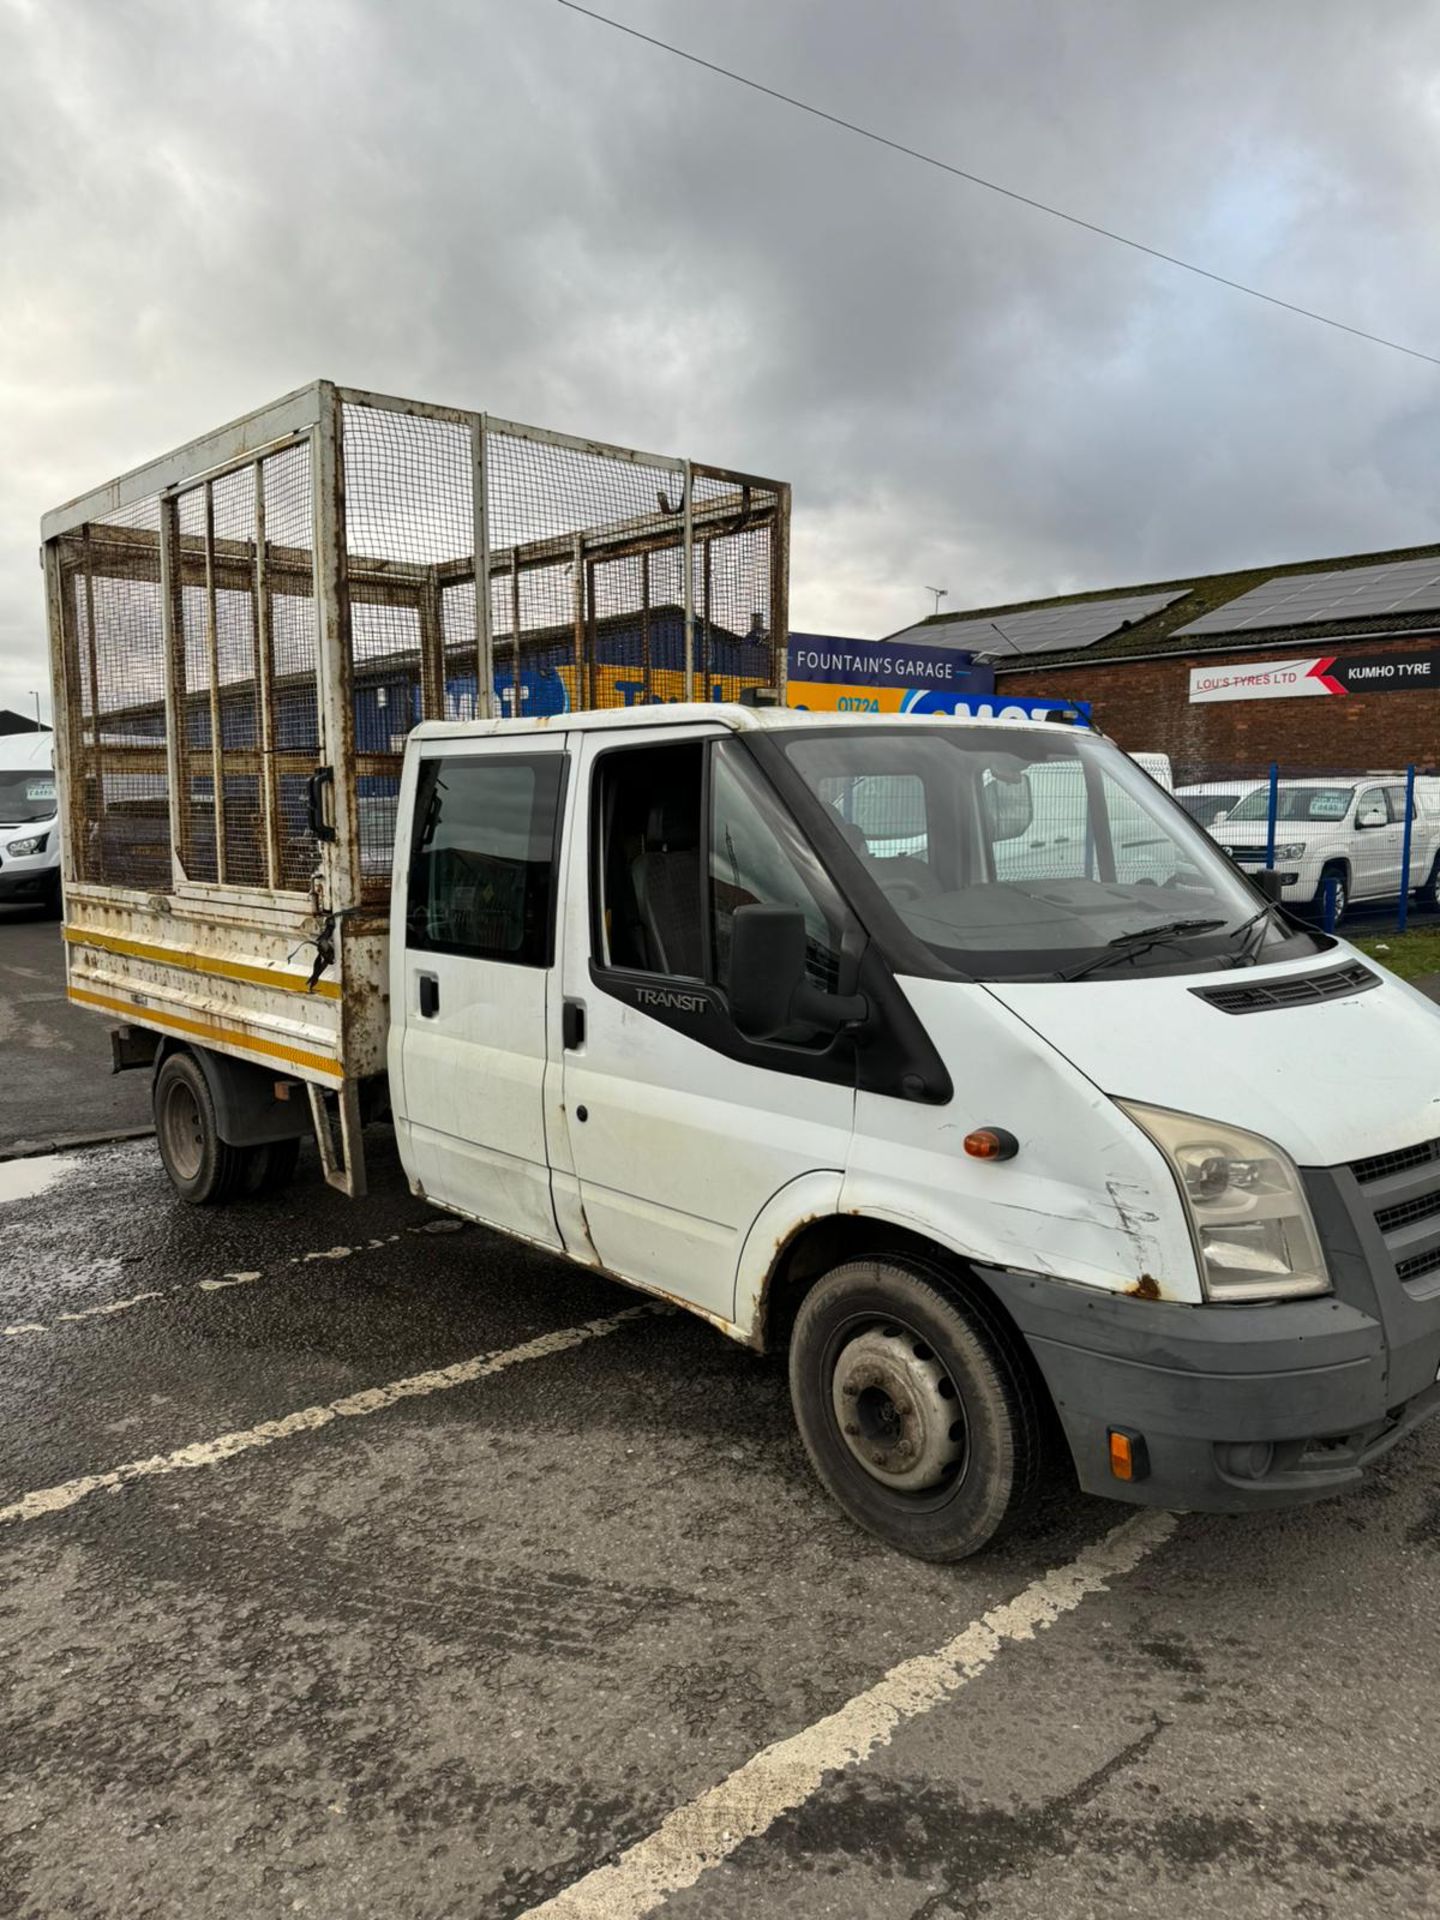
(1249, 954)
(1128, 946)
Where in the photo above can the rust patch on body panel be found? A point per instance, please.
(1147, 1287)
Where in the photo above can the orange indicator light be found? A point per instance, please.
(991, 1143)
(1129, 1456)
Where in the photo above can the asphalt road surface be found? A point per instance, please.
(359, 1566)
(357, 1563)
(55, 1078)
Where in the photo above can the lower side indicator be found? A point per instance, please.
(1129, 1456)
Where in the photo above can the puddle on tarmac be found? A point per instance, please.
(23, 1179)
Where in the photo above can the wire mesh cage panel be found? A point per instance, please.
(115, 664)
(200, 602)
(739, 553)
(298, 590)
(409, 491)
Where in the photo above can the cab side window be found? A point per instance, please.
(482, 864)
(751, 865)
(1396, 797)
(649, 861)
(684, 837)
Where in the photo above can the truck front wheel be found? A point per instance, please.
(917, 1413)
(203, 1168)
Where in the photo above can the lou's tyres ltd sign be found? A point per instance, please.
(1324, 676)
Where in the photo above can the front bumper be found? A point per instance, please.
(1242, 1408)
(34, 879)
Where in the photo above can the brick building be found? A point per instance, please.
(1330, 664)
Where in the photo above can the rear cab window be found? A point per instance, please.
(483, 857)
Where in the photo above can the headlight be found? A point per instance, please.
(1295, 852)
(34, 844)
(1254, 1237)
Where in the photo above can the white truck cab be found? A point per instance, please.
(29, 823)
(973, 1138)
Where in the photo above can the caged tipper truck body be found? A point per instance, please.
(951, 1056)
(244, 632)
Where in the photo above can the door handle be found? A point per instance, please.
(572, 1025)
(429, 996)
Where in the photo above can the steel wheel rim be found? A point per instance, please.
(183, 1131)
(900, 1415)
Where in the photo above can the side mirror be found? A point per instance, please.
(1372, 816)
(1008, 806)
(769, 990)
(1268, 884)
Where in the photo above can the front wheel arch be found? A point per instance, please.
(818, 1246)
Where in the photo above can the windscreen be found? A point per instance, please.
(1015, 852)
(26, 796)
(1296, 803)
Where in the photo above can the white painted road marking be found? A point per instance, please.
(26, 1328)
(706, 1830)
(26, 1179)
(209, 1453)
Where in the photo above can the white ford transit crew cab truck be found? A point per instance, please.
(1108, 1155)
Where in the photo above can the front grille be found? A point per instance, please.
(1427, 1207)
(1402, 1189)
(1400, 1161)
(1294, 990)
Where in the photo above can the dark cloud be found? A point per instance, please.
(505, 205)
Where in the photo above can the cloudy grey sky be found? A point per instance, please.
(500, 204)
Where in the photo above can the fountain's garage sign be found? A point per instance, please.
(829, 675)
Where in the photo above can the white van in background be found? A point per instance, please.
(1210, 800)
(1040, 832)
(29, 821)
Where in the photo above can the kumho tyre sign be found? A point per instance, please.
(1323, 677)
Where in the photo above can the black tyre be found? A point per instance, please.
(916, 1410)
(270, 1168)
(1340, 874)
(1429, 894)
(203, 1169)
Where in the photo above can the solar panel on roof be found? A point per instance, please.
(1054, 629)
(1345, 593)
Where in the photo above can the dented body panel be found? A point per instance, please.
(1087, 1198)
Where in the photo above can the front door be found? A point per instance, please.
(474, 982)
(680, 1130)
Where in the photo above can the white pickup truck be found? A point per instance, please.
(994, 1153)
(1347, 834)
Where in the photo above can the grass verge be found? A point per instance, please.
(1409, 954)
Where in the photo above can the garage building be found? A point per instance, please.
(1319, 665)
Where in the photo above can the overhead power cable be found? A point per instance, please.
(1008, 193)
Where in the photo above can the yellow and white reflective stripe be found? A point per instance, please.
(205, 1030)
(188, 960)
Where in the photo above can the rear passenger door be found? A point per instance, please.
(1395, 798)
(1376, 850)
(471, 987)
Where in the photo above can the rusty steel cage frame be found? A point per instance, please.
(233, 628)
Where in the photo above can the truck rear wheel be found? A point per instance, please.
(203, 1168)
(916, 1411)
(271, 1167)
